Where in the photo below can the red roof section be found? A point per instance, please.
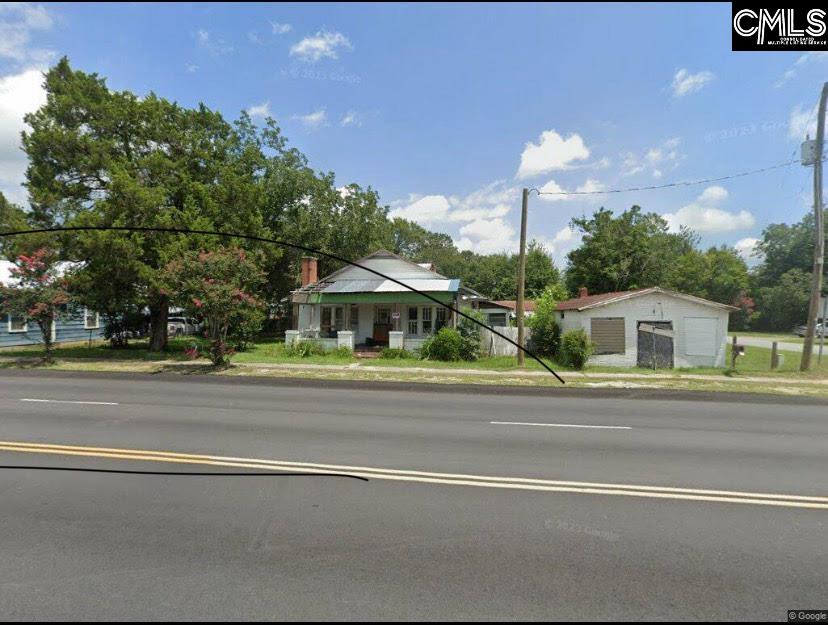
(528, 304)
(580, 302)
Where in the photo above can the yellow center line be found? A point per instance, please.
(529, 484)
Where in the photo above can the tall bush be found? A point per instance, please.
(219, 287)
(38, 293)
(576, 348)
(546, 332)
(446, 345)
(470, 334)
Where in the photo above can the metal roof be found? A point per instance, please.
(387, 286)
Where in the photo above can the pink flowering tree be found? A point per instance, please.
(220, 287)
(37, 292)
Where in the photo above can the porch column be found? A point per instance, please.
(345, 338)
(395, 339)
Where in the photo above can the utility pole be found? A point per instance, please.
(521, 277)
(819, 243)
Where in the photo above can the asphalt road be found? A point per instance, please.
(666, 510)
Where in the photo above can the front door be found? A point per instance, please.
(655, 344)
(382, 324)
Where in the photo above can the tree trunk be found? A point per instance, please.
(46, 333)
(159, 311)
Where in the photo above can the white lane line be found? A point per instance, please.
(67, 401)
(564, 425)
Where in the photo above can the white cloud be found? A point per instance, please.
(747, 249)
(552, 152)
(685, 83)
(324, 44)
(280, 29)
(214, 46)
(350, 119)
(804, 59)
(553, 192)
(802, 122)
(314, 120)
(260, 110)
(191, 68)
(487, 236)
(18, 20)
(493, 201)
(19, 94)
(705, 217)
(713, 195)
(652, 160)
(423, 209)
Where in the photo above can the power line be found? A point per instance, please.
(686, 183)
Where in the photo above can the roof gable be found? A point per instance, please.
(387, 263)
(603, 299)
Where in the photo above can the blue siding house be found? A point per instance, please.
(75, 324)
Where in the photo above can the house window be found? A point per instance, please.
(412, 321)
(333, 320)
(18, 323)
(608, 335)
(354, 318)
(497, 319)
(427, 314)
(91, 320)
(441, 318)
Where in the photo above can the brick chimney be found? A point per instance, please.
(308, 274)
(583, 292)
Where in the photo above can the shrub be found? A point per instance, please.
(546, 333)
(446, 345)
(245, 326)
(342, 352)
(218, 287)
(576, 348)
(470, 334)
(304, 349)
(395, 352)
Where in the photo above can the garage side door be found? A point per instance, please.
(701, 336)
(607, 333)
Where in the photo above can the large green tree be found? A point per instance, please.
(630, 251)
(719, 274)
(784, 247)
(100, 157)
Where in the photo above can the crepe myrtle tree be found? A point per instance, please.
(217, 286)
(37, 293)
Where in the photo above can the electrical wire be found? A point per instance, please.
(669, 185)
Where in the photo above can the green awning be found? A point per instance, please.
(379, 298)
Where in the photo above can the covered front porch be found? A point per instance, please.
(362, 321)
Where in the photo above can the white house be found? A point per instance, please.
(354, 308)
(650, 327)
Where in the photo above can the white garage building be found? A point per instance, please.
(650, 327)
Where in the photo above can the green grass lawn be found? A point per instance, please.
(782, 337)
(100, 350)
(755, 362)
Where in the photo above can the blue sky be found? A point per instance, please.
(449, 110)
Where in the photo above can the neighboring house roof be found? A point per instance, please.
(528, 304)
(603, 299)
(351, 279)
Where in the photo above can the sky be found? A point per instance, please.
(448, 111)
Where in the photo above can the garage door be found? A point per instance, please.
(607, 334)
(701, 336)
